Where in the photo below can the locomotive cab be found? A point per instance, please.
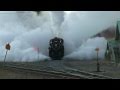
(56, 48)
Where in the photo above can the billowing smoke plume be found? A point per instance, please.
(32, 20)
(27, 32)
(57, 18)
(87, 50)
(79, 26)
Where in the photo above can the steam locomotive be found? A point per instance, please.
(56, 48)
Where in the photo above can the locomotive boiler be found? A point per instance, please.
(56, 48)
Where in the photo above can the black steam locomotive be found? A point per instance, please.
(56, 49)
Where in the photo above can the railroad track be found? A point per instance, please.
(85, 74)
(76, 72)
(65, 72)
(54, 73)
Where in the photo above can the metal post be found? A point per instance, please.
(38, 53)
(98, 64)
(5, 55)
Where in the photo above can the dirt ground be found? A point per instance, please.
(14, 74)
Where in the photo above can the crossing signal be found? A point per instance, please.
(8, 46)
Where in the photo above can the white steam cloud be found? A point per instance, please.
(57, 18)
(26, 32)
(87, 50)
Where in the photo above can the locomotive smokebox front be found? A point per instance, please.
(56, 48)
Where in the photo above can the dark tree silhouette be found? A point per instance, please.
(117, 33)
(38, 12)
